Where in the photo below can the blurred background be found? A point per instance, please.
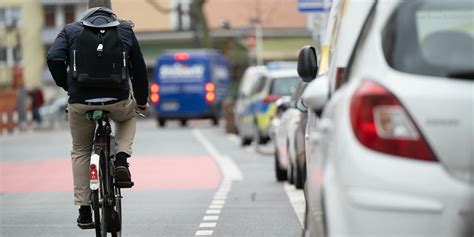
(247, 32)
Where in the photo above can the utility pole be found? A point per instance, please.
(100, 3)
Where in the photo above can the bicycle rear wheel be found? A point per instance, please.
(118, 210)
(95, 207)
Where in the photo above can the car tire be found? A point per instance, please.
(244, 141)
(215, 121)
(298, 177)
(161, 122)
(280, 173)
(290, 176)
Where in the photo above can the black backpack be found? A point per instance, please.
(99, 60)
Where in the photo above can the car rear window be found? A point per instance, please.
(432, 38)
(284, 86)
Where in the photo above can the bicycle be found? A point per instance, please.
(105, 190)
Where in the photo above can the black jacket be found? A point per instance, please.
(60, 53)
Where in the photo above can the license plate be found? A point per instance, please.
(170, 106)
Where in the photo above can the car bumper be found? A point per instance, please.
(376, 194)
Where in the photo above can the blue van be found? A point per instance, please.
(189, 85)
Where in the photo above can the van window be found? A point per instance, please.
(259, 85)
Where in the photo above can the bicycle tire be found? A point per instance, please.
(95, 207)
(118, 208)
(103, 191)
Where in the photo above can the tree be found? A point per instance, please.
(202, 37)
(100, 3)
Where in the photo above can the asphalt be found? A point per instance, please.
(257, 205)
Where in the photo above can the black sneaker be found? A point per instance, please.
(84, 221)
(123, 178)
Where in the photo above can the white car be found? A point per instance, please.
(242, 104)
(285, 132)
(394, 146)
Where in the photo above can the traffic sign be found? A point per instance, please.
(314, 5)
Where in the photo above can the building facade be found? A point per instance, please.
(21, 51)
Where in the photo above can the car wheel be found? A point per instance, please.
(161, 122)
(244, 141)
(215, 121)
(298, 177)
(289, 170)
(279, 171)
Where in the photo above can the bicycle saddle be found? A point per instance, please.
(94, 115)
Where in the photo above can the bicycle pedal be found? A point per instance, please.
(124, 184)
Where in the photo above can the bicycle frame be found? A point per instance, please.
(104, 196)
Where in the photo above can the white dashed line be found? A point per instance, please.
(208, 225)
(204, 232)
(213, 211)
(216, 206)
(210, 218)
(230, 172)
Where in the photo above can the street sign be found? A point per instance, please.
(314, 5)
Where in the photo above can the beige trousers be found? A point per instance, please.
(82, 131)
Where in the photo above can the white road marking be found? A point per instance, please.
(230, 172)
(210, 218)
(233, 138)
(297, 201)
(213, 211)
(216, 206)
(228, 167)
(204, 232)
(208, 225)
(221, 193)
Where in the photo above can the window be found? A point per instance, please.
(3, 17)
(69, 15)
(284, 86)
(18, 54)
(10, 17)
(259, 85)
(434, 39)
(14, 19)
(3, 55)
(49, 16)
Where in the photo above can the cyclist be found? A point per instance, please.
(120, 101)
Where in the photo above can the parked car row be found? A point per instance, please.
(381, 136)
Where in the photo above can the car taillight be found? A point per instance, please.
(210, 92)
(154, 95)
(381, 123)
(270, 98)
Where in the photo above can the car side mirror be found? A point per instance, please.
(299, 105)
(316, 94)
(307, 63)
